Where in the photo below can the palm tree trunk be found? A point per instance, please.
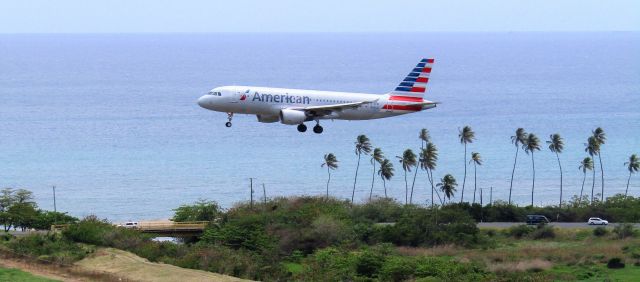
(431, 182)
(434, 189)
(384, 184)
(628, 180)
(412, 185)
(602, 177)
(465, 172)
(475, 181)
(584, 177)
(353, 194)
(512, 172)
(406, 188)
(373, 179)
(559, 165)
(533, 183)
(593, 185)
(328, 180)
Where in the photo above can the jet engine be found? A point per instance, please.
(267, 118)
(292, 117)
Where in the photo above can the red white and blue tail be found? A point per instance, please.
(414, 85)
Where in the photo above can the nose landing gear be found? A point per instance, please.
(302, 127)
(229, 117)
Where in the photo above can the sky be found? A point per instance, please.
(158, 16)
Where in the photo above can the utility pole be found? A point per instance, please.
(54, 199)
(264, 195)
(251, 187)
(481, 207)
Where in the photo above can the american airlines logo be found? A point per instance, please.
(279, 98)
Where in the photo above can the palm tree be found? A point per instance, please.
(376, 157)
(517, 140)
(385, 172)
(531, 145)
(331, 162)
(425, 138)
(476, 159)
(633, 165)
(556, 145)
(448, 186)
(363, 146)
(592, 147)
(428, 160)
(599, 135)
(466, 135)
(586, 164)
(407, 160)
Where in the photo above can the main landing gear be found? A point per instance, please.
(229, 117)
(316, 129)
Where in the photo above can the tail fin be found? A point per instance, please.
(415, 84)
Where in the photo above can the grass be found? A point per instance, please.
(571, 255)
(12, 274)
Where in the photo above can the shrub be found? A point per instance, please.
(624, 230)
(520, 231)
(200, 211)
(615, 263)
(90, 230)
(543, 232)
(397, 269)
(600, 231)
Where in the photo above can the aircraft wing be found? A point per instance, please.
(336, 107)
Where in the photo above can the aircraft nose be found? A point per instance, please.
(202, 101)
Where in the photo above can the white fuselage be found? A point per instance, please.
(267, 103)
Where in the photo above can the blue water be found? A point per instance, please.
(111, 120)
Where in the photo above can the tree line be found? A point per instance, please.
(18, 210)
(445, 189)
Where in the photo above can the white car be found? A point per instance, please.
(597, 221)
(129, 224)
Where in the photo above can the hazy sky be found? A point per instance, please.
(70, 16)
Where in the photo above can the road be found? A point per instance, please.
(571, 225)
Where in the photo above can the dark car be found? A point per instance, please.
(533, 219)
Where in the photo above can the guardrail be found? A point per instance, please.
(156, 227)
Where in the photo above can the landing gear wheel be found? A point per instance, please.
(302, 127)
(229, 117)
(317, 129)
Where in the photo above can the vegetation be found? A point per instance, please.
(363, 146)
(18, 210)
(408, 160)
(466, 135)
(12, 274)
(633, 165)
(320, 239)
(532, 144)
(556, 145)
(331, 162)
(517, 140)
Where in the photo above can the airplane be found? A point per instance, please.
(297, 106)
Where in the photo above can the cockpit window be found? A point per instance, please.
(214, 93)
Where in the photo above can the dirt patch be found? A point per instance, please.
(132, 267)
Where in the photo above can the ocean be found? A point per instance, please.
(111, 119)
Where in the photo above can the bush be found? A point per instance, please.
(624, 230)
(600, 231)
(543, 232)
(49, 247)
(200, 211)
(90, 230)
(615, 263)
(520, 231)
